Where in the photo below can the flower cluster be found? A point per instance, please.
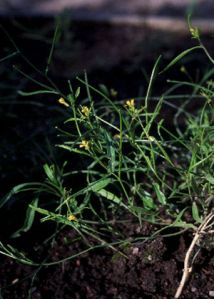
(85, 144)
(130, 104)
(85, 111)
(71, 218)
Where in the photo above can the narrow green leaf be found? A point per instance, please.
(39, 92)
(193, 166)
(40, 210)
(95, 186)
(110, 151)
(72, 120)
(49, 172)
(210, 178)
(179, 223)
(154, 115)
(100, 184)
(160, 195)
(195, 213)
(148, 201)
(9, 56)
(179, 57)
(152, 77)
(31, 186)
(77, 93)
(110, 196)
(32, 79)
(52, 216)
(104, 90)
(10, 251)
(29, 219)
(55, 37)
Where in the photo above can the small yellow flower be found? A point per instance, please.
(130, 104)
(71, 218)
(85, 144)
(85, 111)
(63, 102)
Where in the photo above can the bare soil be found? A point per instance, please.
(151, 270)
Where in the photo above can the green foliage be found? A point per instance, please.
(128, 164)
(30, 215)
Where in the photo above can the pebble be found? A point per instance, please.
(211, 294)
(138, 229)
(15, 281)
(135, 251)
(149, 258)
(193, 289)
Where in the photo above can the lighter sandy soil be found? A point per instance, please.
(203, 8)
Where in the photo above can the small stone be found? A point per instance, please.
(149, 258)
(193, 289)
(15, 281)
(78, 263)
(135, 251)
(138, 229)
(211, 294)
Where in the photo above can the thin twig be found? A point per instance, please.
(187, 264)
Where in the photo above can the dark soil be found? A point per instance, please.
(153, 268)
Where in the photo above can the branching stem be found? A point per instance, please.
(187, 264)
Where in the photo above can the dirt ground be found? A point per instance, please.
(151, 270)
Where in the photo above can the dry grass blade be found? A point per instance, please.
(205, 225)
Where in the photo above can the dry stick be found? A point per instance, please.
(187, 266)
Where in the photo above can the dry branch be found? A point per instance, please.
(202, 229)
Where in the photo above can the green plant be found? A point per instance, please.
(129, 166)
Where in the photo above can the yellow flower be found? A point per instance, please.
(63, 102)
(71, 218)
(85, 144)
(85, 111)
(130, 104)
